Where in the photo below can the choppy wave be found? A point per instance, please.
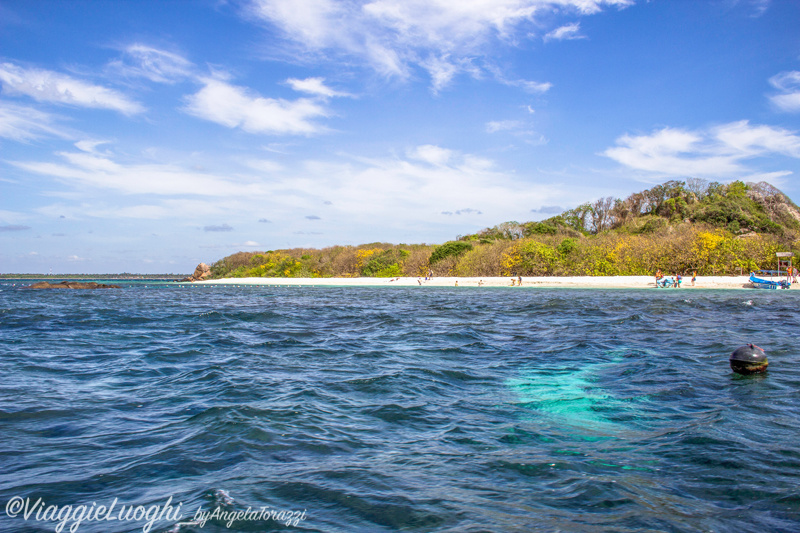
(375, 409)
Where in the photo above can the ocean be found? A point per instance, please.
(364, 409)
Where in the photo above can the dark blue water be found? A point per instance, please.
(415, 409)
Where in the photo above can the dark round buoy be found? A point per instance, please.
(749, 359)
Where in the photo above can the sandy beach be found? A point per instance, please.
(586, 282)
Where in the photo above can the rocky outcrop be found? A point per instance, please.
(203, 271)
(71, 285)
(779, 207)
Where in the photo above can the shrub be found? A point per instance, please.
(653, 225)
(567, 246)
(452, 248)
(540, 228)
(485, 260)
(530, 258)
(386, 264)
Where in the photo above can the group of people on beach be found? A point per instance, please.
(676, 281)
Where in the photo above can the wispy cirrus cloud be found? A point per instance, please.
(517, 128)
(440, 36)
(54, 87)
(314, 86)
(143, 61)
(533, 87)
(721, 151)
(567, 32)
(102, 171)
(23, 123)
(84, 205)
(238, 107)
(12, 217)
(788, 83)
(760, 7)
(503, 125)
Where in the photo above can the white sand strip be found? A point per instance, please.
(589, 282)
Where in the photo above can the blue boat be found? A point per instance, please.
(759, 283)
(664, 283)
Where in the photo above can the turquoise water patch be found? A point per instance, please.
(571, 397)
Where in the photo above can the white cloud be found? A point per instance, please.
(183, 209)
(775, 178)
(760, 7)
(236, 107)
(789, 85)
(441, 70)
(315, 86)
(503, 125)
(89, 145)
(717, 152)
(12, 217)
(160, 66)
(318, 23)
(392, 36)
(264, 165)
(102, 172)
(431, 154)
(414, 190)
(53, 87)
(533, 87)
(22, 123)
(567, 32)
(517, 128)
(410, 190)
(743, 140)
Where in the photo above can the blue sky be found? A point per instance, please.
(147, 136)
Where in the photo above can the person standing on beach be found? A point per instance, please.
(694, 277)
(519, 281)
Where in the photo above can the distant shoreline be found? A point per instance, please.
(588, 282)
(154, 277)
